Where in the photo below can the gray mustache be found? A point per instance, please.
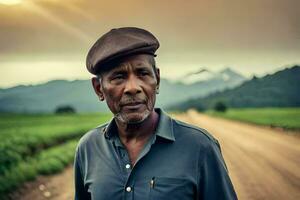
(132, 100)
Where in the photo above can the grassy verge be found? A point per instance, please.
(32, 145)
(287, 118)
(50, 161)
(22, 136)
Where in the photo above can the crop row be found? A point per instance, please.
(49, 161)
(22, 136)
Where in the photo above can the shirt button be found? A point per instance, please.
(127, 166)
(128, 189)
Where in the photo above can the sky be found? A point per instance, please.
(42, 40)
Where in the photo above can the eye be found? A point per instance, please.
(118, 77)
(144, 73)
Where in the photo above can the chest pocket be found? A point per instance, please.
(162, 188)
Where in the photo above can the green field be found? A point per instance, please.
(287, 118)
(31, 145)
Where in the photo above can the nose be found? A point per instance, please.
(132, 86)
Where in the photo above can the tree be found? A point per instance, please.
(65, 109)
(220, 107)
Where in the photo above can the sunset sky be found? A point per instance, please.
(41, 40)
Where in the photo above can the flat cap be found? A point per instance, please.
(118, 43)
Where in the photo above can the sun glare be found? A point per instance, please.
(10, 2)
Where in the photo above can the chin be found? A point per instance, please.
(133, 118)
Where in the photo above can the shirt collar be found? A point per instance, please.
(164, 128)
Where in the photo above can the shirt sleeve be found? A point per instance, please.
(80, 191)
(214, 183)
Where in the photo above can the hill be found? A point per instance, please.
(80, 95)
(280, 89)
(194, 85)
(46, 97)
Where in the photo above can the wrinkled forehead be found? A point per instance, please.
(135, 61)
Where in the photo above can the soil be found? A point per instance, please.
(54, 187)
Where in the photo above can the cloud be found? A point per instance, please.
(49, 26)
(192, 33)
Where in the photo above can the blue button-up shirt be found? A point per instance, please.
(180, 161)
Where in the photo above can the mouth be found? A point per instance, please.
(133, 105)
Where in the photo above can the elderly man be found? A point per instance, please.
(142, 153)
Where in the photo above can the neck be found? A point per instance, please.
(140, 131)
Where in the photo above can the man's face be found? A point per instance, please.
(130, 89)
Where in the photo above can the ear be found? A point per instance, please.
(97, 88)
(157, 73)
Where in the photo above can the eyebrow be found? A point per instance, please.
(117, 71)
(122, 69)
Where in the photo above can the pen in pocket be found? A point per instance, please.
(152, 182)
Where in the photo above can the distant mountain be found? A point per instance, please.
(281, 89)
(80, 95)
(227, 75)
(202, 74)
(175, 92)
(46, 97)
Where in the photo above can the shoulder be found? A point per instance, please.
(91, 137)
(194, 134)
(198, 138)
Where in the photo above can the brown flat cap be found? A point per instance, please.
(118, 43)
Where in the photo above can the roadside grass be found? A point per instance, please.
(50, 161)
(31, 145)
(287, 118)
(22, 136)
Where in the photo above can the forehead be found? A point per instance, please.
(135, 61)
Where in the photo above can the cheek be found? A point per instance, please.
(151, 95)
(112, 97)
(112, 104)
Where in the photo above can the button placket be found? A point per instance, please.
(130, 170)
(127, 170)
(128, 193)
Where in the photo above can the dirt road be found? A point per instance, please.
(263, 163)
(55, 187)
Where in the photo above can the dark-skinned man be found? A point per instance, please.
(142, 153)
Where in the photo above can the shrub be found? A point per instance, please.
(65, 110)
(220, 107)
